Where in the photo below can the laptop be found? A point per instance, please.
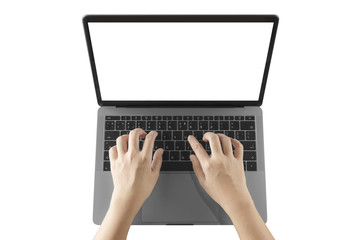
(180, 75)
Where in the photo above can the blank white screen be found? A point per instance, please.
(180, 61)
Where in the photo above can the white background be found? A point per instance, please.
(196, 59)
(48, 119)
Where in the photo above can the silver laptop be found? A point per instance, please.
(180, 75)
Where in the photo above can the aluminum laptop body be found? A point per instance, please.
(179, 65)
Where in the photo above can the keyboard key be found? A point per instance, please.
(251, 166)
(203, 143)
(218, 131)
(106, 166)
(135, 117)
(106, 155)
(169, 145)
(141, 124)
(203, 125)
(208, 146)
(250, 135)
(214, 125)
(177, 135)
(198, 117)
(161, 125)
(146, 117)
(179, 145)
(120, 125)
(240, 135)
(177, 117)
(249, 145)
(198, 135)
(159, 136)
(249, 117)
(185, 155)
(174, 155)
(124, 132)
(125, 117)
(158, 144)
(188, 118)
(249, 155)
(141, 144)
(182, 125)
(224, 125)
(193, 125)
(239, 117)
(130, 125)
(186, 134)
(156, 117)
(166, 135)
(229, 134)
(112, 118)
(109, 125)
(111, 135)
(109, 144)
(167, 118)
(187, 146)
(172, 125)
(150, 125)
(218, 118)
(165, 156)
(234, 125)
(208, 118)
(229, 117)
(247, 125)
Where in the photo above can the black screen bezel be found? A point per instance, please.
(180, 18)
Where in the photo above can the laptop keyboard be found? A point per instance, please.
(174, 130)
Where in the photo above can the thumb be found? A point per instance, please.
(157, 160)
(197, 168)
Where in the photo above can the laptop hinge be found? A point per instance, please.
(172, 106)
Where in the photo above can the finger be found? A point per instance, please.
(225, 144)
(149, 142)
(121, 144)
(134, 138)
(197, 168)
(239, 149)
(198, 148)
(113, 153)
(157, 161)
(214, 141)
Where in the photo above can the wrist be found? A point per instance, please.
(238, 204)
(125, 204)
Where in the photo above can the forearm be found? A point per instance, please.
(117, 221)
(247, 221)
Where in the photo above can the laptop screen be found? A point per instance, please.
(185, 61)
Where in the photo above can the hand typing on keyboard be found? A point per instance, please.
(135, 173)
(222, 176)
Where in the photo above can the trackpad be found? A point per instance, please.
(179, 199)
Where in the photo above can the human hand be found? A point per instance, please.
(134, 174)
(222, 173)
